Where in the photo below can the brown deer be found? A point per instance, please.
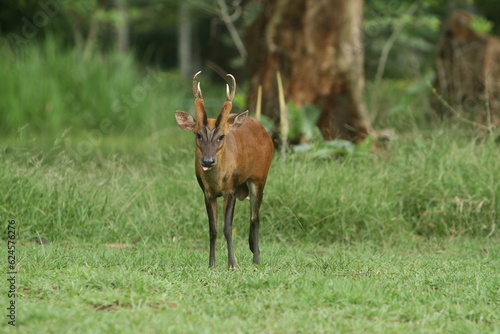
(232, 160)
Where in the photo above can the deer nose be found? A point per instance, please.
(207, 162)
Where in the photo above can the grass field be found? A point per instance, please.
(419, 286)
(399, 241)
(402, 239)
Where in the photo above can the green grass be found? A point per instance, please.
(446, 286)
(399, 241)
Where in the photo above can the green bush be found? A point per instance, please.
(47, 89)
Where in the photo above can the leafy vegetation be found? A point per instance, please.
(62, 91)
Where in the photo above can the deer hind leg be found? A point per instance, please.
(256, 194)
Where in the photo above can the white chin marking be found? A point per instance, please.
(205, 168)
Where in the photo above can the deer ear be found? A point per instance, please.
(238, 120)
(184, 120)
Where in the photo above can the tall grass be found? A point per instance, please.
(48, 89)
(439, 186)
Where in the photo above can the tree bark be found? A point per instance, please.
(317, 47)
(123, 27)
(185, 48)
(467, 74)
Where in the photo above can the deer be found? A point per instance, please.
(232, 159)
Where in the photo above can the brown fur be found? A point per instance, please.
(236, 165)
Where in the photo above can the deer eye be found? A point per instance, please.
(198, 136)
(221, 138)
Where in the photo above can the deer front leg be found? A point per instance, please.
(211, 204)
(229, 202)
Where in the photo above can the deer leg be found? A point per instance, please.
(253, 238)
(211, 204)
(229, 202)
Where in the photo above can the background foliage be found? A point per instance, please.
(68, 43)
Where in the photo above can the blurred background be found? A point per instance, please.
(124, 66)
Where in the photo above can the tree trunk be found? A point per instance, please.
(123, 27)
(467, 74)
(317, 47)
(185, 43)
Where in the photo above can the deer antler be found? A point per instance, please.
(199, 106)
(230, 95)
(226, 107)
(196, 87)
